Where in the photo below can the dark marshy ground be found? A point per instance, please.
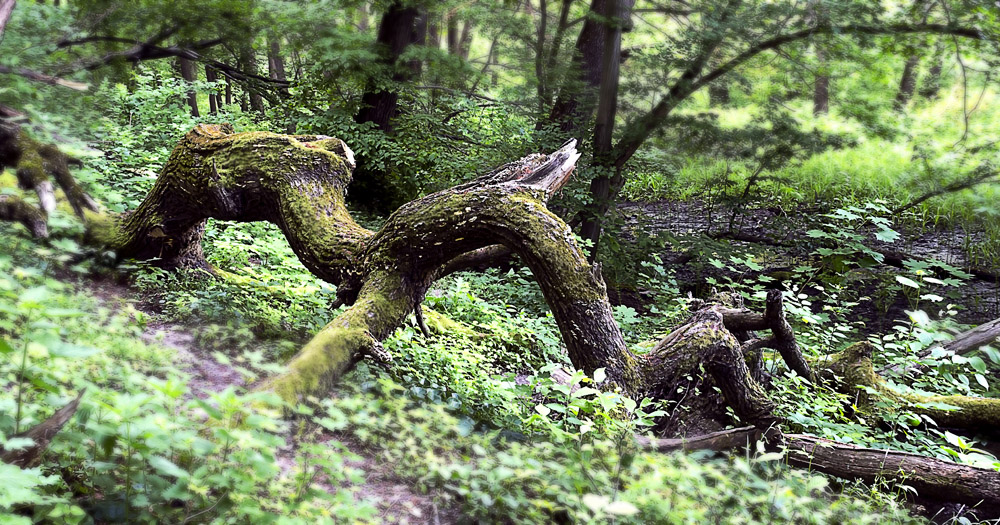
(779, 242)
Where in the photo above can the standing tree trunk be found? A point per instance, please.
(363, 17)
(907, 83)
(213, 96)
(465, 42)
(275, 63)
(821, 86)
(434, 32)
(248, 64)
(6, 8)
(931, 83)
(452, 34)
(617, 13)
(419, 39)
(229, 90)
(578, 94)
(379, 104)
(188, 74)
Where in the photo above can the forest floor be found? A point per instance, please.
(397, 500)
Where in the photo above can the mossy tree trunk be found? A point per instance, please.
(708, 365)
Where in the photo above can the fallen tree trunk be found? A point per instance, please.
(706, 369)
(932, 479)
(963, 343)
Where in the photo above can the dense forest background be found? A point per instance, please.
(843, 152)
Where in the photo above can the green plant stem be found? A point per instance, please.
(20, 377)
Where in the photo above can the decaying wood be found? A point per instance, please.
(931, 478)
(299, 182)
(973, 339)
(41, 435)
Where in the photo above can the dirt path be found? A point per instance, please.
(395, 497)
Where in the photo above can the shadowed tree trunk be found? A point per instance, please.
(248, 64)
(578, 95)
(452, 35)
(275, 63)
(930, 85)
(465, 41)
(188, 74)
(907, 83)
(213, 96)
(616, 14)
(821, 86)
(379, 104)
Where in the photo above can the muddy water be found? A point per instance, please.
(979, 300)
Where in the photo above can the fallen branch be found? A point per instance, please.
(41, 434)
(932, 478)
(43, 78)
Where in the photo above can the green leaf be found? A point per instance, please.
(585, 391)
(33, 295)
(72, 351)
(887, 235)
(166, 467)
(621, 508)
(906, 281)
(5, 347)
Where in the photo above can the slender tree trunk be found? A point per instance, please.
(465, 42)
(395, 33)
(379, 105)
(6, 8)
(931, 83)
(213, 96)
(821, 87)
(452, 33)
(578, 94)
(229, 90)
(616, 12)
(363, 22)
(188, 74)
(248, 63)
(434, 32)
(276, 63)
(907, 83)
(420, 39)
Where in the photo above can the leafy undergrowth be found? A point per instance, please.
(474, 419)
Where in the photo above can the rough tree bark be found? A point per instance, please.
(211, 75)
(379, 104)
(907, 82)
(188, 74)
(708, 365)
(821, 87)
(36, 164)
(6, 7)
